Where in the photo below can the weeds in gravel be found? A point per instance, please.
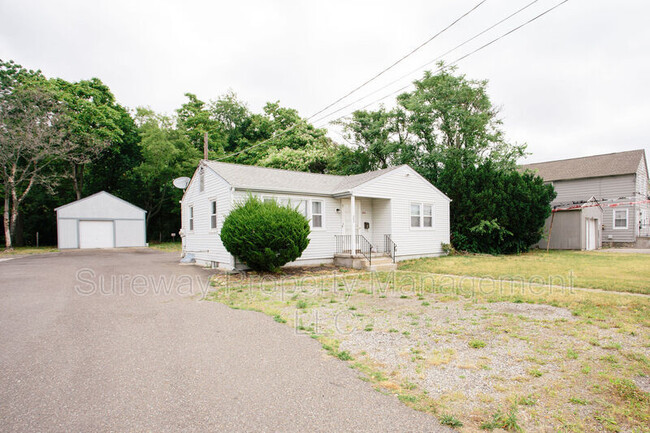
(476, 344)
(450, 421)
(503, 421)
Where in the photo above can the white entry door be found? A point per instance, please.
(591, 233)
(96, 234)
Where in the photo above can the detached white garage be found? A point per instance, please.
(100, 221)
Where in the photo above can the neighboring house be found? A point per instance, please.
(395, 211)
(100, 221)
(617, 183)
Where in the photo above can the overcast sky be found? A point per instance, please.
(573, 83)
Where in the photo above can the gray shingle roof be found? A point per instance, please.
(611, 164)
(272, 179)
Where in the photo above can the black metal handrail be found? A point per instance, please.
(390, 247)
(343, 244)
(363, 247)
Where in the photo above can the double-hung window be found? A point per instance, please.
(421, 215)
(416, 215)
(317, 214)
(213, 214)
(620, 218)
(191, 218)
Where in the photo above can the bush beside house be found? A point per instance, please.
(265, 235)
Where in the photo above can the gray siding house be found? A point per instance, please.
(617, 183)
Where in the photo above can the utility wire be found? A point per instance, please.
(454, 62)
(400, 89)
(429, 62)
(358, 87)
(398, 61)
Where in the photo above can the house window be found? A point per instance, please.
(191, 218)
(421, 215)
(317, 214)
(213, 214)
(415, 215)
(201, 180)
(620, 218)
(428, 215)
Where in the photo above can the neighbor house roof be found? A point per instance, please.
(611, 164)
(249, 177)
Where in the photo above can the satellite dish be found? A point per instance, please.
(181, 182)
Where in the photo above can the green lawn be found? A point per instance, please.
(608, 271)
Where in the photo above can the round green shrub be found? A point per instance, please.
(265, 235)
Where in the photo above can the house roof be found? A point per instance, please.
(611, 164)
(251, 177)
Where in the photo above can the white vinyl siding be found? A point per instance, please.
(396, 191)
(203, 242)
(621, 219)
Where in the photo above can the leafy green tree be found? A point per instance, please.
(449, 131)
(495, 210)
(30, 139)
(265, 235)
(90, 123)
(195, 119)
(166, 154)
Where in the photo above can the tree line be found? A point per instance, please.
(62, 141)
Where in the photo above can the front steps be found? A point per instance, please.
(380, 262)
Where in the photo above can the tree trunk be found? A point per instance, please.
(77, 179)
(7, 225)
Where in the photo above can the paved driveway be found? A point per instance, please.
(89, 341)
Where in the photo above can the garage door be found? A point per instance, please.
(96, 234)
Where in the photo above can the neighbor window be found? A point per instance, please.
(421, 215)
(191, 218)
(201, 180)
(620, 218)
(213, 214)
(415, 215)
(317, 214)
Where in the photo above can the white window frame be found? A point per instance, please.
(311, 214)
(213, 214)
(421, 216)
(190, 218)
(627, 219)
(201, 179)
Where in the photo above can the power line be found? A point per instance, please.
(482, 47)
(398, 61)
(402, 88)
(361, 86)
(430, 62)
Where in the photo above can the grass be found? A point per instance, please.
(606, 271)
(586, 361)
(27, 251)
(450, 421)
(167, 246)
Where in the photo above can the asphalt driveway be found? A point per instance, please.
(119, 341)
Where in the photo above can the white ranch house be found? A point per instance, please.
(364, 220)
